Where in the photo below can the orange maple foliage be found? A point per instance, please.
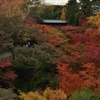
(69, 81)
(11, 8)
(88, 76)
(94, 21)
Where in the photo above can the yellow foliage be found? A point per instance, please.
(11, 8)
(47, 95)
(54, 94)
(63, 14)
(94, 21)
(31, 96)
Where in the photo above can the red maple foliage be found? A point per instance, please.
(55, 40)
(82, 38)
(29, 21)
(90, 77)
(68, 28)
(83, 20)
(74, 60)
(7, 75)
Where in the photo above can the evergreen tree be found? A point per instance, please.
(57, 11)
(86, 7)
(72, 9)
(95, 6)
(48, 14)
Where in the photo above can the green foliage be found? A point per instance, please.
(72, 9)
(86, 7)
(31, 4)
(95, 6)
(23, 33)
(57, 11)
(54, 11)
(47, 15)
(85, 94)
(57, 32)
(89, 7)
(11, 15)
(7, 94)
(5, 34)
(35, 66)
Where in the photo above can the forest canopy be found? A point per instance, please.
(47, 62)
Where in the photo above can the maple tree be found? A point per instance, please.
(7, 74)
(90, 75)
(81, 38)
(11, 8)
(68, 28)
(89, 42)
(53, 36)
(63, 14)
(82, 50)
(28, 20)
(94, 21)
(70, 81)
(93, 55)
(55, 40)
(75, 51)
(82, 20)
(11, 15)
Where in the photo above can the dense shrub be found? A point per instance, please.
(47, 94)
(7, 94)
(85, 94)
